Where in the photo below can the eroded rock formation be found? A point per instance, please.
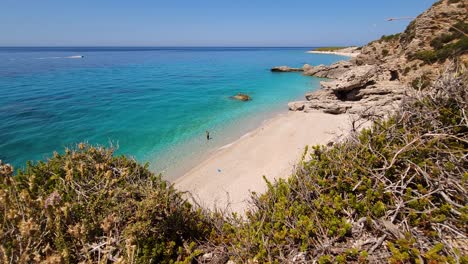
(378, 78)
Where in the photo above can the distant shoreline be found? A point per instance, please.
(352, 51)
(347, 54)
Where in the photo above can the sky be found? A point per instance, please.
(302, 23)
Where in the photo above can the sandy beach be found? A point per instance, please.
(227, 177)
(347, 52)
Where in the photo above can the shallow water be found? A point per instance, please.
(154, 103)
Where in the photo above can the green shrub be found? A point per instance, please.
(421, 83)
(440, 41)
(406, 70)
(452, 50)
(390, 37)
(385, 52)
(87, 205)
(446, 45)
(428, 56)
(447, 51)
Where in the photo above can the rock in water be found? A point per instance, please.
(285, 69)
(241, 97)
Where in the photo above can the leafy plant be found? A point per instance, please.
(387, 38)
(385, 52)
(87, 205)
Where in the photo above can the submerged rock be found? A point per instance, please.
(241, 97)
(285, 69)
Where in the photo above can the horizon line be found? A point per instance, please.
(175, 46)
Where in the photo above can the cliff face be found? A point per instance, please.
(427, 44)
(378, 78)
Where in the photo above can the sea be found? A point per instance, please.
(154, 104)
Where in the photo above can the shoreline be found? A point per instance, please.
(231, 134)
(346, 54)
(225, 178)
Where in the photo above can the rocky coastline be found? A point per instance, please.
(353, 89)
(379, 75)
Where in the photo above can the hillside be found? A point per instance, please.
(426, 46)
(377, 80)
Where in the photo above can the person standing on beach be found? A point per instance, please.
(207, 135)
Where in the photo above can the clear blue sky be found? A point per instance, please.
(201, 22)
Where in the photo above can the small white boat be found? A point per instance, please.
(76, 57)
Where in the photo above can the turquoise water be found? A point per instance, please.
(154, 104)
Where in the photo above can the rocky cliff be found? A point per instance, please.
(429, 42)
(377, 79)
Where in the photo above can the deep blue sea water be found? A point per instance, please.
(154, 103)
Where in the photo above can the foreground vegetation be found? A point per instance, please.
(395, 192)
(89, 206)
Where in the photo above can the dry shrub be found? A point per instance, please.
(396, 192)
(89, 206)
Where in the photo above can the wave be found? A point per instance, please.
(67, 57)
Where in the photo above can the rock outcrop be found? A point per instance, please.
(379, 98)
(333, 71)
(356, 77)
(354, 88)
(378, 78)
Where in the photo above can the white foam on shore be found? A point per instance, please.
(232, 143)
(68, 57)
(253, 130)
